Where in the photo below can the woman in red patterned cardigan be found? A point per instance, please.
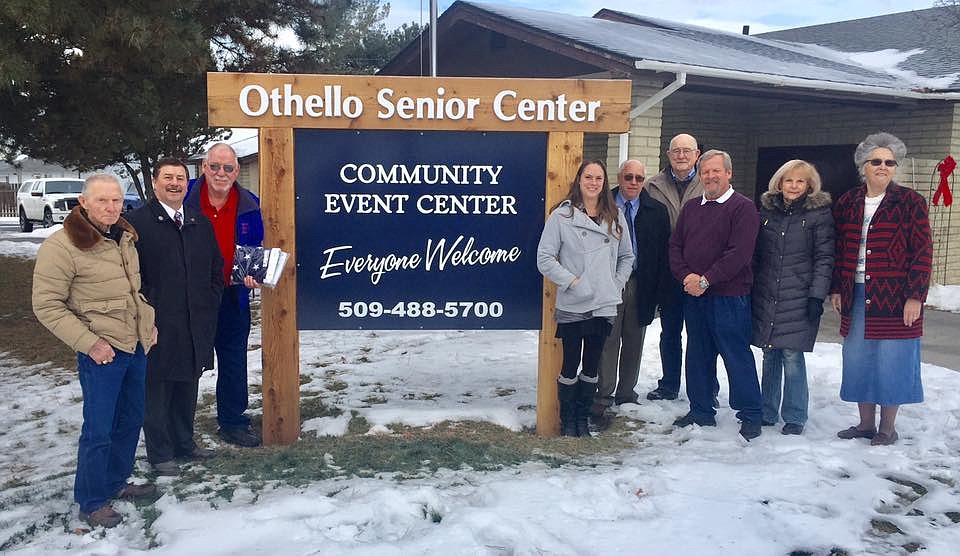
(880, 281)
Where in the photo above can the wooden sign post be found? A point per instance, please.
(279, 103)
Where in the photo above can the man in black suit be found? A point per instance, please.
(182, 273)
(649, 227)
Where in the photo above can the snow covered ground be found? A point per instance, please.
(691, 491)
(945, 298)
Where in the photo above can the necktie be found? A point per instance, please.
(630, 225)
(178, 218)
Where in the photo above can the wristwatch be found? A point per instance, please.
(704, 284)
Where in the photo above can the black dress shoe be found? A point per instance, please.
(792, 428)
(689, 419)
(631, 399)
(243, 437)
(749, 430)
(198, 453)
(661, 394)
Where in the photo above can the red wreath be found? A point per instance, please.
(946, 167)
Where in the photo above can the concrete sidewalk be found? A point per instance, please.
(940, 343)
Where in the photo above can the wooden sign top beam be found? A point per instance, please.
(417, 103)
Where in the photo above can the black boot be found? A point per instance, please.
(567, 396)
(568, 412)
(583, 417)
(586, 390)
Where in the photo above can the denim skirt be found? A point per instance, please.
(884, 372)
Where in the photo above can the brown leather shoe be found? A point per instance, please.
(105, 516)
(131, 491)
(854, 432)
(884, 439)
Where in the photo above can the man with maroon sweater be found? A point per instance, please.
(711, 251)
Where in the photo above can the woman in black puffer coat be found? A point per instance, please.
(793, 264)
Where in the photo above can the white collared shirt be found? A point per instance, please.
(721, 199)
(171, 211)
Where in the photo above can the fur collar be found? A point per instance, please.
(83, 235)
(774, 200)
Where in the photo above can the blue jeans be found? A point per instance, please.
(671, 349)
(113, 401)
(721, 325)
(233, 329)
(790, 366)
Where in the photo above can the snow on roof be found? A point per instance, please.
(635, 37)
(929, 36)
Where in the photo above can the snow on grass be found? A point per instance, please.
(25, 249)
(690, 491)
(944, 298)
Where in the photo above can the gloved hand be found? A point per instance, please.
(814, 308)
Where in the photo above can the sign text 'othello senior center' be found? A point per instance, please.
(256, 100)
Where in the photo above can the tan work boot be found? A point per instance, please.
(104, 516)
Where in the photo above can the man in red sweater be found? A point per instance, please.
(711, 251)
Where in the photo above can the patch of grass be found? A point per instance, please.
(13, 482)
(21, 334)
(314, 407)
(335, 385)
(306, 379)
(374, 400)
(150, 514)
(501, 392)
(917, 488)
(884, 527)
(953, 516)
(30, 531)
(409, 452)
(358, 424)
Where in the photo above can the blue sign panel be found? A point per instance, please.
(405, 230)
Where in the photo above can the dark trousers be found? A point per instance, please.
(168, 424)
(112, 416)
(585, 350)
(233, 329)
(721, 325)
(671, 349)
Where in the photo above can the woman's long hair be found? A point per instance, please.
(606, 206)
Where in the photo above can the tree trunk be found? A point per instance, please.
(146, 170)
(136, 181)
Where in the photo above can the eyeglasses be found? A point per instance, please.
(678, 152)
(878, 161)
(228, 168)
(631, 177)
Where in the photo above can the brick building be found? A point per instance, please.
(810, 93)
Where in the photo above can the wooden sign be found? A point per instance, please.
(278, 103)
(417, 103)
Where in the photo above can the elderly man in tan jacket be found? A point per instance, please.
(86, 290)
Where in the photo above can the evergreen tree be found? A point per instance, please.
(90, 83)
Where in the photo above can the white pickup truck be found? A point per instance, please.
(47, 201)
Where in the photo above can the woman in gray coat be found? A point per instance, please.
(586, 251)
(793, 263)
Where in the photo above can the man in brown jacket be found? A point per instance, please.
(674, 186)
(86, 290)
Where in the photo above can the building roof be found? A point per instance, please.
(932, 35)
(631, 42)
